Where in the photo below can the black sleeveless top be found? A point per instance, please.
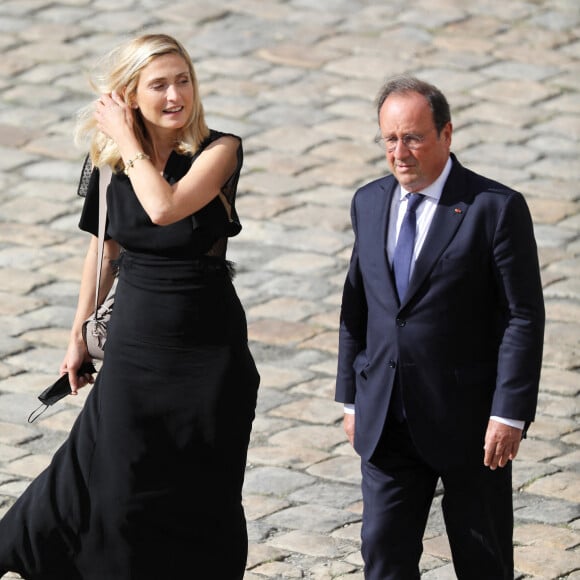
(204, 233)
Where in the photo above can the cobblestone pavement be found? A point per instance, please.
(297, 79)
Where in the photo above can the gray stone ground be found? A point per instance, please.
(297, 79)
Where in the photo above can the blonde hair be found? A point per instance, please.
(120, 71)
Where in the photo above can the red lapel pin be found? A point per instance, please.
(458, 210)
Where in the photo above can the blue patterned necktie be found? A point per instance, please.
(403, 255)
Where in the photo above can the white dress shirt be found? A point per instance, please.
(425, 212)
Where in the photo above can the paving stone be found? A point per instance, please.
(15, 487)
(25, 258)
(332, 495)
(291, 456)
(567, 267)
(10, 453)
(572, 439)
(438, 547)
(545, 562)
(312, 517)
(555, 355)
(58, 316)
(557, 188)
(553, 168)
(51, 337)
(345, 449)
(329, 242)
(263, 426)
(328, 319)
(263, 207)
(308, 543)
(330, 570)
(280, 377)
(271, 399)
(538, 451)
(28, 382)
(300, 263)
(445, 572)
(345, 469)
(29, 466)
(291, 309)
(525, 472)
(13, 305)
(13, 136)
(349, 532)
(316, 436)
(545, 427)
(258, 506)
(280, 332)
(62, 419)
(38, 359)
(321, 387)
(556, 143)
(563, 311)
(568, 460)
(275, 481)
(279, 162)
(11, 159)
(313, 215)
(10, 345)
(546, 510)
(560, 381)
(310, 410)
(299, 56)
(557, 405)
(512, 155)
(327, 341)
(565, 485)
(278, 570)
(327, 367)
(15, 434)
(570, 223)
(20, 282)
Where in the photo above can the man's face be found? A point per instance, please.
(415, 153)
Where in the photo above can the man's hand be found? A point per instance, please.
(502, 443)
(348, 424)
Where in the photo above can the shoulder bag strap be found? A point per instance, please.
(105, 175)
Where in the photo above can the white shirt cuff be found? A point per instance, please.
(510, 422)
(349, 410)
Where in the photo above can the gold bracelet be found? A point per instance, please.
(131, 162)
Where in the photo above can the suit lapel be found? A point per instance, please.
(388, 187)
(449, 214)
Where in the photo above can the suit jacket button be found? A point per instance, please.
(401, 322)
(392, 364)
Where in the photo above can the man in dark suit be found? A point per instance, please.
(440, 344)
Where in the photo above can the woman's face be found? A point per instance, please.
(164, 93)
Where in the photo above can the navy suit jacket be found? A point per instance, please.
(466, 343)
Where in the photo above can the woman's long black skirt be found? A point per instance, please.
(148, 484)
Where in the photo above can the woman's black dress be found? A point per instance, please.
(148, 484)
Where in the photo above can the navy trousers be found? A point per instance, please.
(398, 487)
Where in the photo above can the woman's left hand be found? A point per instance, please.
(114, 117)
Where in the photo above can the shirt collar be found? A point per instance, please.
(434, 190)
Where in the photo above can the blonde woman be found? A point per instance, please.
(148, 484)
